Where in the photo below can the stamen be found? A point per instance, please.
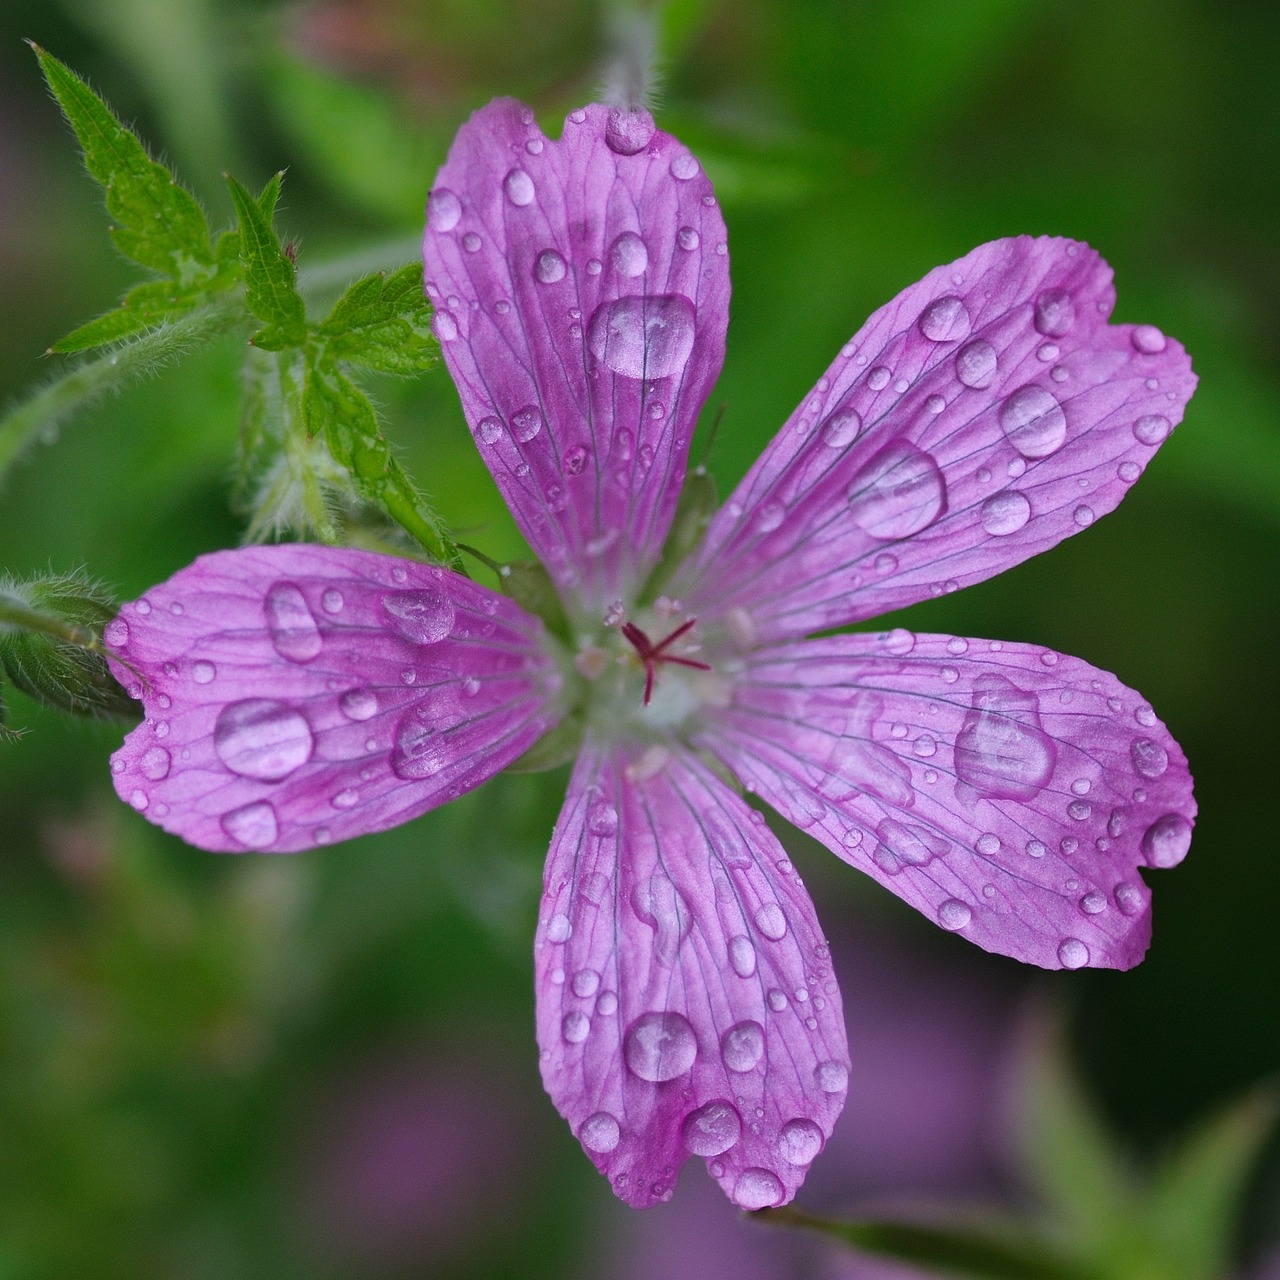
(654, 655)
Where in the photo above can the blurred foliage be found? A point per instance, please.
(181, 1035)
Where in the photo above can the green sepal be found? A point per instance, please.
(694, 508)
(270, 280)
(553, 749)
(50, 645)
(381, 322)
(530, 586)
(157, 223)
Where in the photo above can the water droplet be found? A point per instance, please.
(575, 1027)
(293, 630)
(443, 210)
(258, 738)
(419, 751)
(742, 955)
(1001, 749)
(600, 1133)
(139, 799)
(660, 905)
(331, 601)
(425, 617)
(1128, 898)
(1054, 313)
(911, 845)
(142, 607)
(899, 642)
(799, 1141)
(1004, 513)
(586, 982)
(935, 404)
(254, 825)
(878, 378)
(1144, 715)
(471, 242)
(1167, 840)
(1033, 422)
(1147, 339)
(976, 364)
(945, 320)
(988, 844)
(659, 1046)
(898, 492)
(1036, 849)
(559, 929)
(1149, 758)
(607, 1004)
(777, 1000)
(347, 799)
(957, 645)
(534, 146)
(628, 255)
(742, 1046)
(602, 819)
(688, 238)
(444, 326)
(771, 922)
(684, 167)
(574, 460)
(757, 1189)
(489, 430)
(1093, 904)
(519, 187)
(1072, 953)
(549, 267)
(643, 337)
(925, 746)
(841, 429)
(954, 914)
(116, 633)
(712, 1129)
(1152, 429)
(1047, 351)
(154, 764)
(358, 704)
(831, 1077)
(1083, 516)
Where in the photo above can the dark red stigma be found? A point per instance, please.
(654, 655)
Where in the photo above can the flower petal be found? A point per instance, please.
(296, 695)
(685, 998)
(1009, 793)
(581, 291)
(984, 415)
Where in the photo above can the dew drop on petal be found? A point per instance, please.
(116, 633)
(945, 320)
(643, 337)
(586, 982)
(1128, 898)
(489, 430)
(1054, 313)
(443, 210)
(684, 166)
(559, 928)
(742, 955)
(549, 267)
(898, 492)
(742, 1046)
(203, 672)
(659, 1046)
(1147, 339)
(757, 1189)
(688, 238)
(629, 256)
(841, 429)
(600, 1133)
(259, 738)
(799, 1141)
(1167, 840)
(154, 764)
(602, 819)
(831, 1076)
(1149, 758)
(1005, 513)
(712, 1129)
(954, 914)
(1033, 422)
(976, 364)
(575, 1027)
(1001, 750)
(878, 378)
(771, 922)
(293, 630)
(519, 187)
(254, 825)
(139, 799)
(419, 751)
(574, 461)
(331, 601)
(1083, 516)
(444, 326)
(358, 704)
(471, 242)
(425, 616)
(1072, 953)
(1151, 429)
(526, 423)
(1093, 904)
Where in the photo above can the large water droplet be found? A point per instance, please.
(600, 1133)
(841, 429)
(154, 763)
(444, 326)
(659, 1046)
(602, 819)
(771, 922)
(293, 630)
(628, 255)
(1151, 429)
(526, 423)
(712, 1129)
(742, 955)
(253, 825)
(688, 238)
(443, 210)
(684, 166)
(976, 364)
(954, 914)
(1054, 313)
(1073, 954)
(945, 320)
(1001, 749)
(203, 672)
(911, 845)
(1005, 513)
(258, 738)
(425, 617)
(897, 493)
(116, 633)
(549, 267)
(575, 1027)
(1167, 840)
(419, 751)
(643, 337)
(659, 904)
(757, 1189)
(489, 430)
(799, 1141)
(1128, 898)
(831, 1077)
(627, 132)
(359, 704)
(742, 1046)
(1033, 422)
(519, 187)
(1149, 758)
(1147, 339)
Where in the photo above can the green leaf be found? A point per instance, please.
(989, 1249)
(1193, 1206)
(269, 276)
(381, 322)
(157, 222)
(143, 306)
(333, 406)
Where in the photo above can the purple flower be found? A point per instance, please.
(297, 695)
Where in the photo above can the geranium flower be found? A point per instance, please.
(297, 695)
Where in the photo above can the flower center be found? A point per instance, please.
(656, 655)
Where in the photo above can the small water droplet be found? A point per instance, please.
(575, 1027)
(139, 799)
(471, 242)
(253, 825)
(443, 210)
(799, 1141)
(154, 764)
(1047, 352)
(549, 267)
(600, 1133)
(770, 516)
(945, 320)
(293, 630)
(742, 1046)
(1149, 758)
(1083, 516)
(1152, 429)
(712, 1129)
(684, 166)
(1093, 904)
(628, 255)
(358, 704)
(1072, 953)
(688, 238)
(777, 1000)
(1128, 898)
(659, 1046)
(116, 633)
(602, 819)
(586, 982)
(1033, 422)
(444, 326)
(771, 922)
(1167, 840)
(489, 430)
(259, 738)
(1147, 339)
(976, 364)
(519, 187)
(954, 914)
(559, 928)
(1054, 313)
(878, 378)
(757, 1189)
(742, 955)
(841, 429)
(1005, 513)
(899, 642)
(331, 601)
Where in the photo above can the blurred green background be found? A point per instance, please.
(324, 1066)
